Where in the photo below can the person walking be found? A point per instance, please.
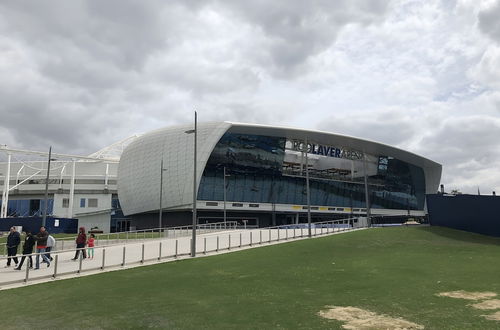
(51, 243)
(13, 241)
(81, 239)
(29, 243)
(41, 245)
(90, 245)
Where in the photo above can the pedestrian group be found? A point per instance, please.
(44, 243)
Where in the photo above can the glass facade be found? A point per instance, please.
(262, 169)
(28, 207)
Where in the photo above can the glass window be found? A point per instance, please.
(82, 202)
(65, 202)
(255, 165)
(92, 202)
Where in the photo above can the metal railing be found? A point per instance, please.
(139, 252)
(68, 243)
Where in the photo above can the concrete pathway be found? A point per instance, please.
(149, 251)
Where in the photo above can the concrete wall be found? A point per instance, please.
(103, 203)
(100, 220)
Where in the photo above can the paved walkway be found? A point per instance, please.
(147, 252)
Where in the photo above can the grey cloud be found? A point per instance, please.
(489, 21)
(388, 126)
(467, 147)
(299, 30)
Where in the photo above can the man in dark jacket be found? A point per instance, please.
(29, 242)
(41, 244)
(13, 241)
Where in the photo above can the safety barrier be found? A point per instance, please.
(68, 243)
(139, 252)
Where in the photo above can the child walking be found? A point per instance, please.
(90, 245)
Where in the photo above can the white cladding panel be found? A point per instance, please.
(140, 165)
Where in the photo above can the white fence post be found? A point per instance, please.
(103, 258)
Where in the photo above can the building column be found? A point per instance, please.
(72, 191)
(5, 194)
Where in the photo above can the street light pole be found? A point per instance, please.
(44, 218)
(225, 197)
(307, 192)
(193, 239)
(160, 224)
(367, 195)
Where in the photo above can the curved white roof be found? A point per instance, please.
(139, 168)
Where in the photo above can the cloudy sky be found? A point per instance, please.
(420, 75)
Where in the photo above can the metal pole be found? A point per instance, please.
(193, 240)
(367, 196)
(142, 259)
(159, 253)
(55, 266)
(103, 258)
(224, 181)
(80, 261)
(28, 268)
(307, 190)
(44, 218)
(161, 195)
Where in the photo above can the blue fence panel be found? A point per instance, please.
(475, 213)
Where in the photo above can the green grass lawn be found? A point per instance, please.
(393, 271)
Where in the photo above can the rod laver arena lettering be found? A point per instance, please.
(329, 151)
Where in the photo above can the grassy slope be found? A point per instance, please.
(395, 271)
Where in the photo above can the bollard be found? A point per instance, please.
(260, 236)
(286, 234)
(103, 258)
(142, 259)
(176, 247)
(279, 234)
(229, 247)
(123, 258)
(159, 253)
(240, 239)
(27, 271)
(269, 235)
(301, 232)
(204, 245)
(55, 266)
(80, 262)
(251, 238)
(217, 248)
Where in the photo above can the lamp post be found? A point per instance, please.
(160, 224)
(225, 197)
(193, 238)
(367, 195)
(308, 192)
(44, 218)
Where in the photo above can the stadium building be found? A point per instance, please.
(259, 175)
